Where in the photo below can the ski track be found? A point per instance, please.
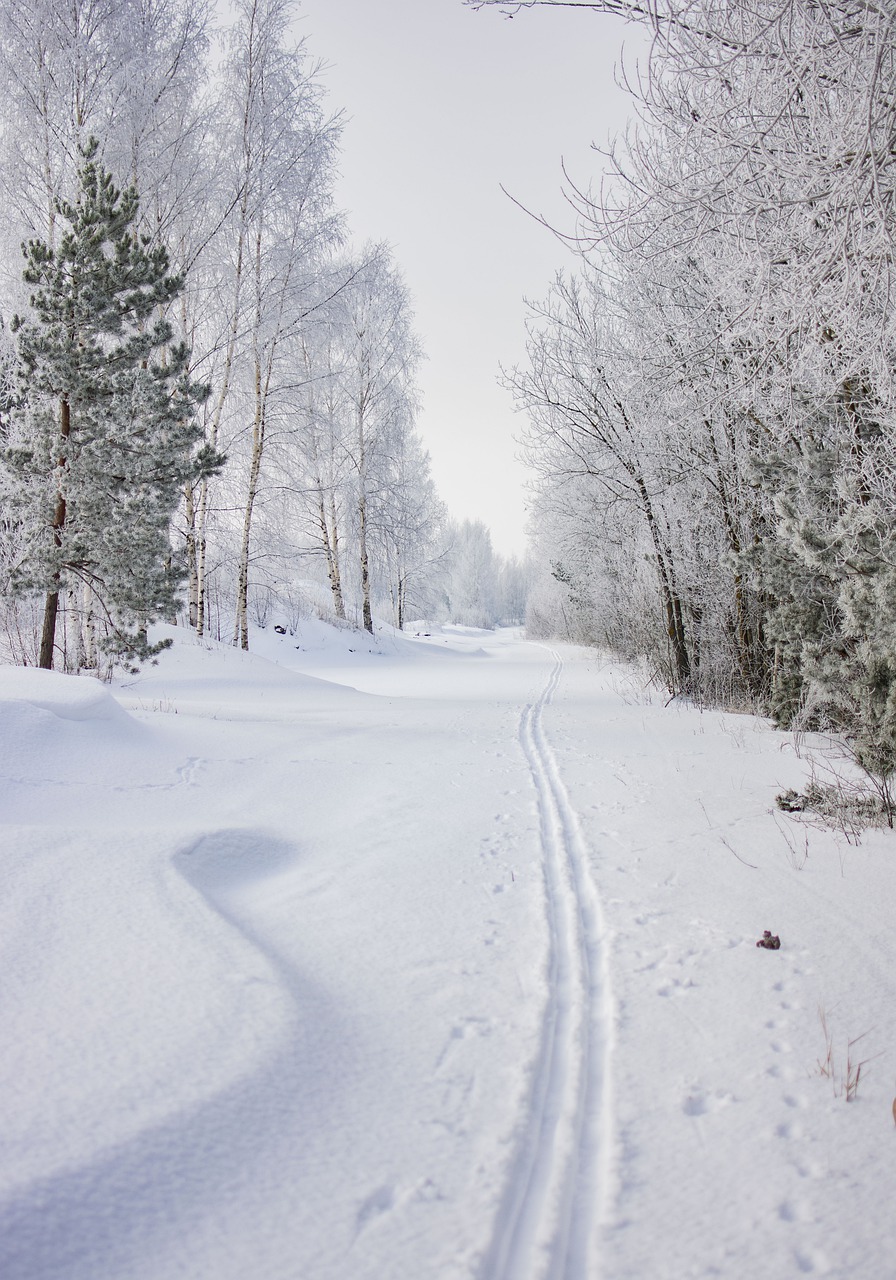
(560, 1187)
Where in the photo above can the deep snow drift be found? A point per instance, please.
(426, 960)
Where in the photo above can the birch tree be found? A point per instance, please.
(277, 272)
(315, 467)
(409, 528)
(379, 357)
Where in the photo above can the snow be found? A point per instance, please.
(428, 957)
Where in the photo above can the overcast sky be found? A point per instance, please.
(443, 106)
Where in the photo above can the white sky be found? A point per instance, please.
(444, 105)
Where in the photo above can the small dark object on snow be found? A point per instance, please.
(792, 802)
(769, 940)
(281, 631)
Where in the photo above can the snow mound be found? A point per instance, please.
(65, 743)
(203, 676)
(68, 697)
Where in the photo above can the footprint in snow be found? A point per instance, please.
(378, 1202)
(701, 1104)
(794, 1211)
(676, 988)
(811, 1262)
(464, 1030)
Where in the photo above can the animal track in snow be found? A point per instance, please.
(794, 1211)
(698, 1103)
(676, 987)
(186, 773)
(811, 1261)
(377, 1203)
(465, 1029)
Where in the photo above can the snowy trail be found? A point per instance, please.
(306, 965)
(278, 991)
(548, 1226)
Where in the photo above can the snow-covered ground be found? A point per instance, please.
(428, 960)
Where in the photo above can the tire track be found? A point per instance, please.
(559, 1190)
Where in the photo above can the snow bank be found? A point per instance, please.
(63, 741)
(64, 696)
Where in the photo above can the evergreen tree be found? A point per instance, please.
(830, 575)
(105, 436)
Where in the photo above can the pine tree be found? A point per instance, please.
(105, 436)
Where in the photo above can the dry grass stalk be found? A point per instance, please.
(845, 1080)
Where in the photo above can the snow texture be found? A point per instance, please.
(428, 957)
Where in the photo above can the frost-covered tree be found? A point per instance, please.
(748, 231)
(313, 461)
(473, 576)
(270, 269)
(128, 72)
(227, 138)
(102, 434)
(379, 354)
(408, 530)
(360, 496)
(766, 151)
(481, 588)
(583, 391)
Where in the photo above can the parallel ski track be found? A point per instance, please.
(548, 1227)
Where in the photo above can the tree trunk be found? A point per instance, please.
(367, 615)
(747, 642)
(48, 634)
(330, 540)
(338, 597)
(400, 603)
(241, 629)
(220, 403)
(51, 606)
(366, 612)
(192, 558)
(662, 552)
(86, 639)
(668, 591)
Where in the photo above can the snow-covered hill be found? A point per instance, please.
(427, 959)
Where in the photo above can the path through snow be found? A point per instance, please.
(559, 1185)
(435, 962)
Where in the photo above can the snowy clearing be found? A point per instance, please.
(428, 959)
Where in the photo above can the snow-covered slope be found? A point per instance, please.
(429, 958)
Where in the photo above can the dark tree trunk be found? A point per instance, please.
(51, 607)
(48, 634)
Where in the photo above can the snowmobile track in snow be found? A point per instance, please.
(547, 1228)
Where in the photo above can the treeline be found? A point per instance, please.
(479, 587)
(209, 395)
(710, 396)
